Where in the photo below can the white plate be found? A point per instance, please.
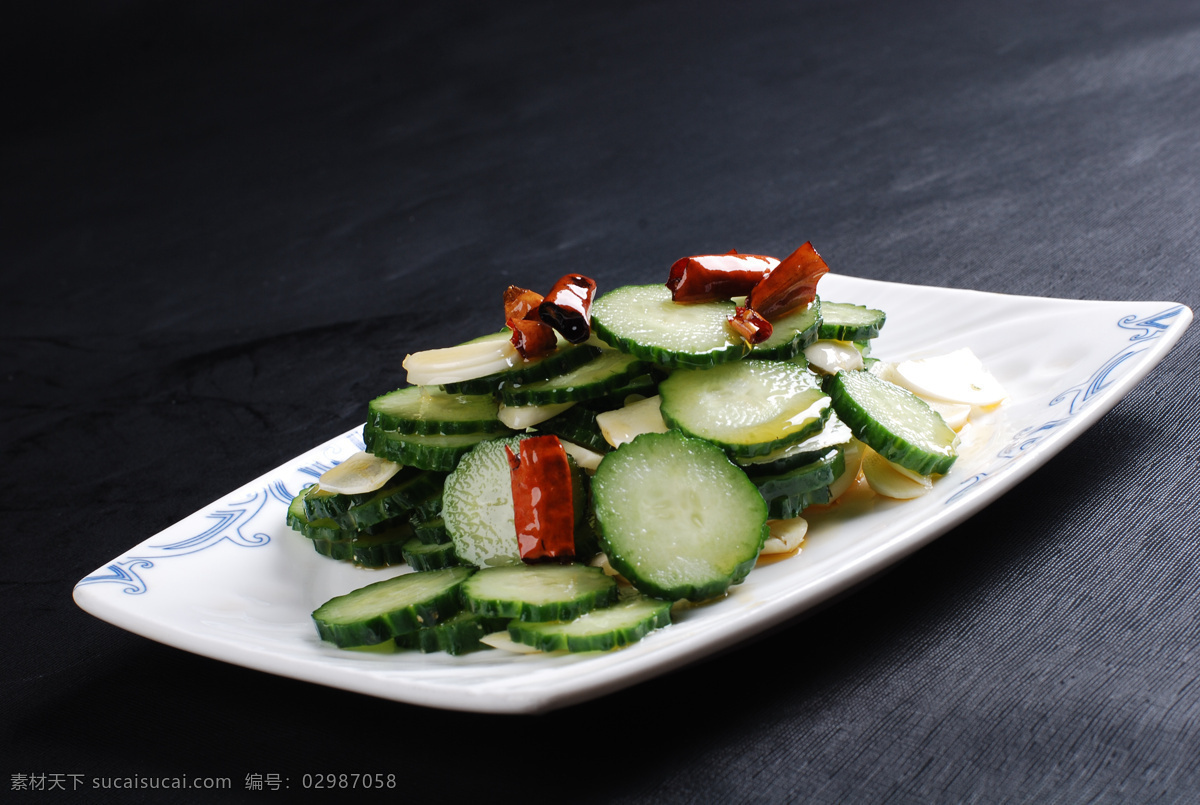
(233, 582)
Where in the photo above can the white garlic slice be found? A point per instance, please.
(786, 535)
(435, 367)
(359, 474)
(622, 424)
(956, 377)
(519, 417)
(891, 480)
(830, 356)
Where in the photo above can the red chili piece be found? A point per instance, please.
(568, 307)
(520, 303)
(750, 326)
(709, 277)
(543, 503)
(790, 285)
(532, 338)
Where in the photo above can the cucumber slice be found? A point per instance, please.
(894, 422)
(383, 549)
(788, 493)
(623, 623)
(604, 374)
(458, 635)
(391, 501)
(566, 357)
(643, 321)
(429, 556)
(749, 408)
(477, 505)
(427, 410)
(380, 611)
(431, 531)
(834, 433)
(790, 334)
(676, 518)
(544, 592)
(428, 452)
(843, 322)
(577, 425)
(329, 529)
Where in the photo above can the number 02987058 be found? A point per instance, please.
(348, 780)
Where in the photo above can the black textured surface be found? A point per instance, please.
(222, 229)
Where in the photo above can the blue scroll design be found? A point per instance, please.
(1076, 398)
(234, 521)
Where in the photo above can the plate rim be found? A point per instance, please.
(573, 688)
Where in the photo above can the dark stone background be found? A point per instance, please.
(221, 228)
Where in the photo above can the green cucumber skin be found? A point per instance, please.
(683, 404)
(803, 326)
(383, 549)
(787, 494)
(476, 601)
(835, 434)
(623, 370)
(458, 635)
(431, 530)
(383, 626)
(786, 508)
(578, 426)
(438, 416)
(562, 360)
(549, 637)
(733, 349)
(613, 540)
(889, 445)
(833, 329)
(429, 455)
(429, 556)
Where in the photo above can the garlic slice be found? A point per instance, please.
(891, 480)
(853, 453)
(357, 475)
(502, 641)
(786, 535)
(588, 460)
(956, 377)
(621, 425)
(435, 367)
(519, 417)
(830, 356)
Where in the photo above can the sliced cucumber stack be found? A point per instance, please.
(545, 592)
(894, 422)
(623, 623)
(458, 635)
(843, 322)
(385, 609)
(676, 518)
(643, 321)
(428, 452)
(788, 493)
(749, 408)
(607, 372)
(427, 410)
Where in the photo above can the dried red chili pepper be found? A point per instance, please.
(709, 277)
(791, 284)
(521, 303)
(532, 338)
(543, 503)
(568, 307)
(750, 326)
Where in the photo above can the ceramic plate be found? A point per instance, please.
(233, 582)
